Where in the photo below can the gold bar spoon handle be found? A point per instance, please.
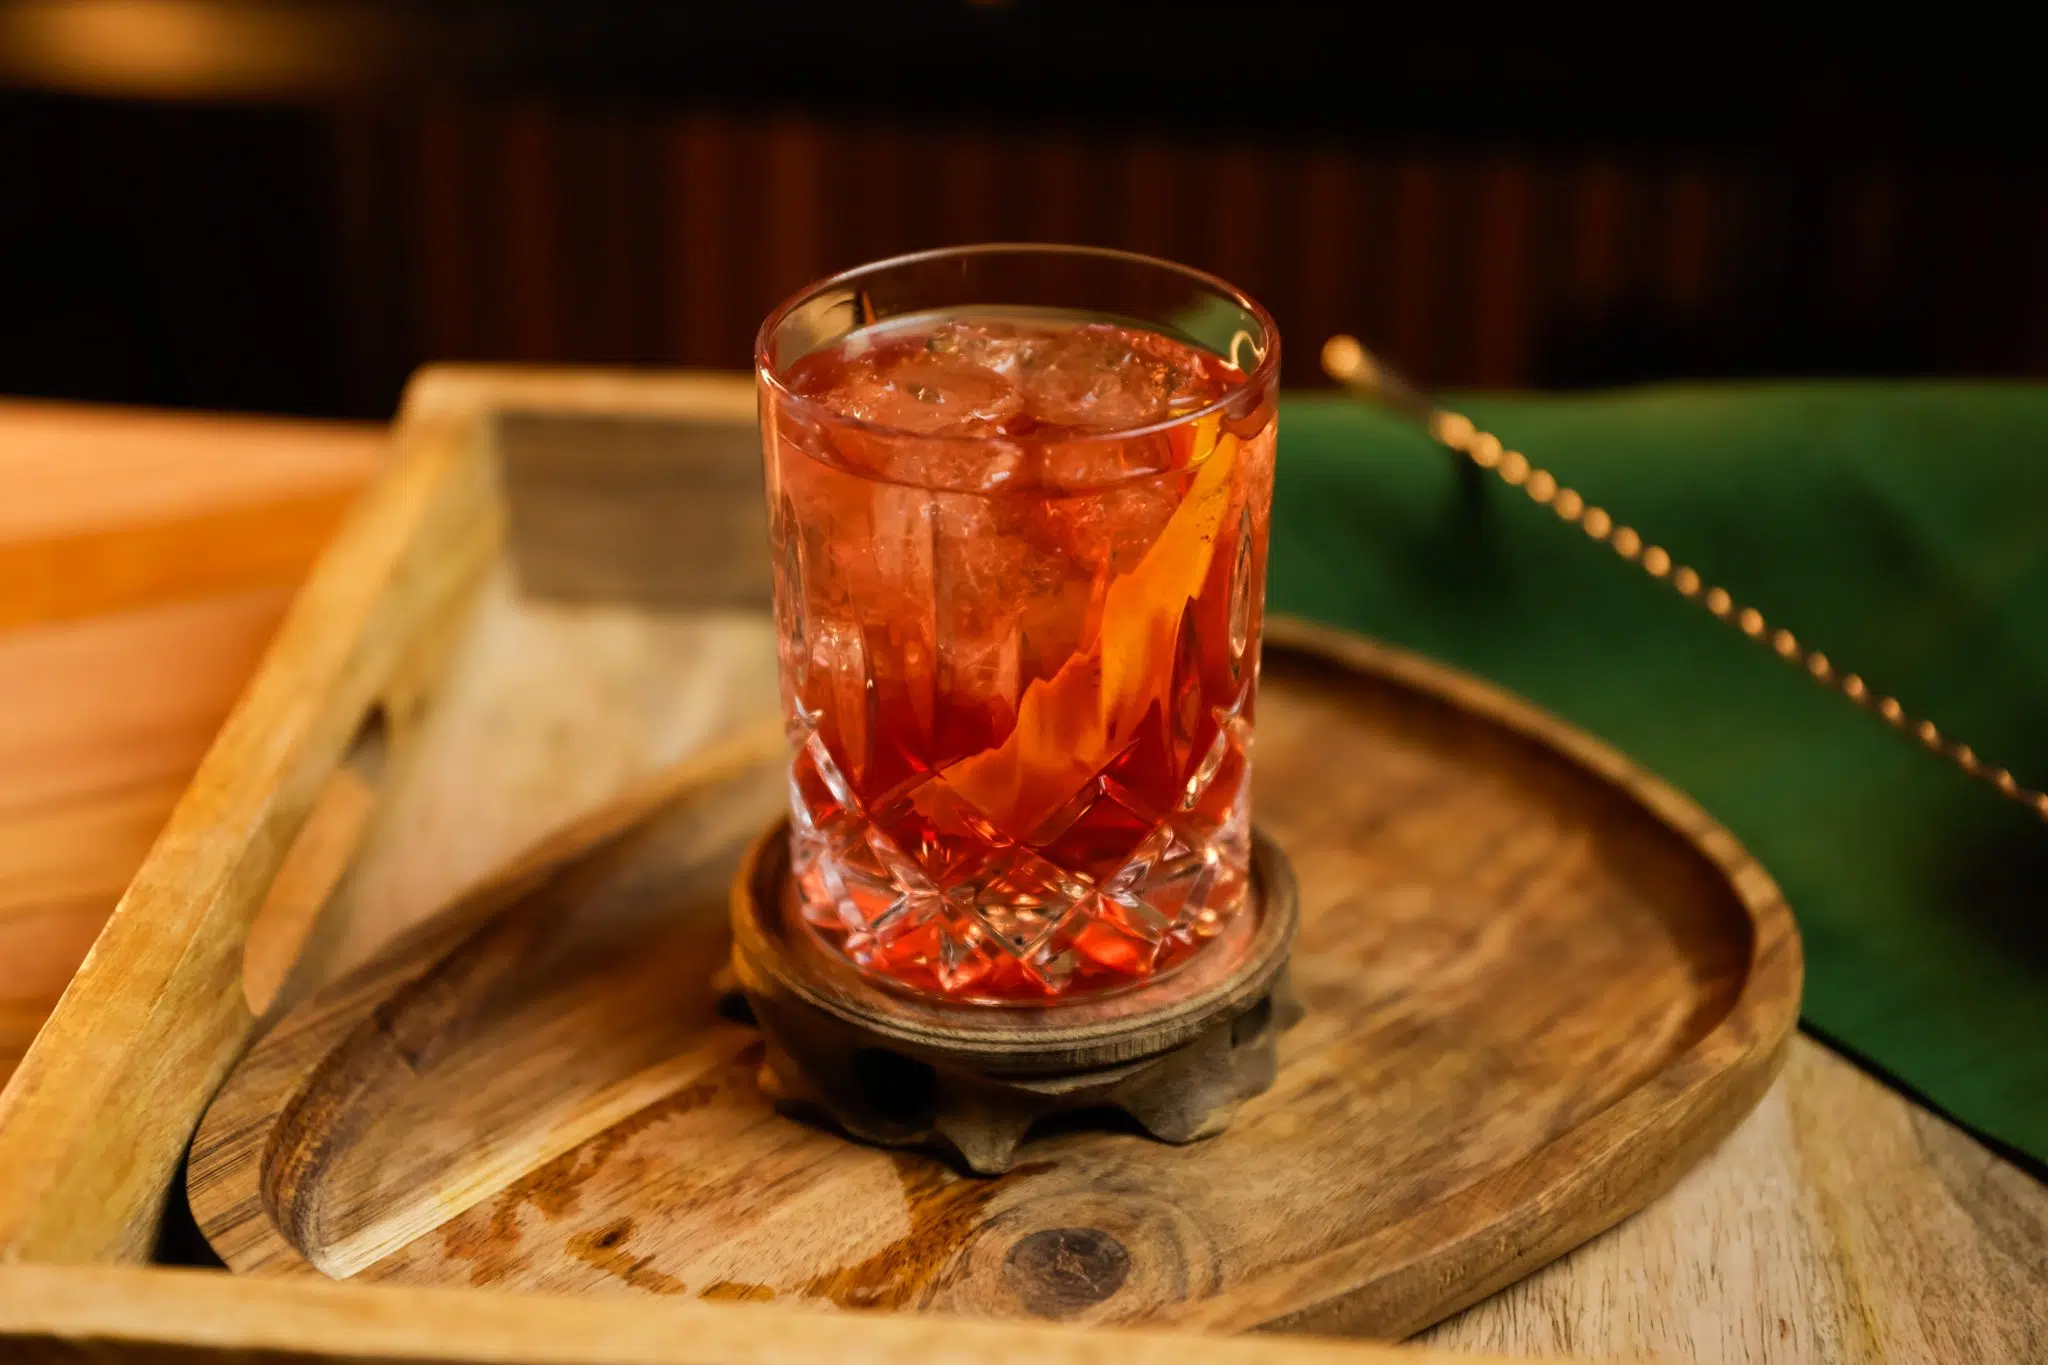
(1351, 365)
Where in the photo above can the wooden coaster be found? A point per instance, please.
(1176, 1055)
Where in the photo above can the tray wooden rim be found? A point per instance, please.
(133, 1315)
(1694, 1101)
(1577, 1184)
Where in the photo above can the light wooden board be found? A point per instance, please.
(1839, 1225)
(145, 559)
(1538, 985)
(571, 702)
(109, 509)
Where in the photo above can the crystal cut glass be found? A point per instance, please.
(1019, 500)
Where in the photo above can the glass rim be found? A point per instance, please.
(1257, 378)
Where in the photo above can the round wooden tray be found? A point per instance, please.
(1539, 984)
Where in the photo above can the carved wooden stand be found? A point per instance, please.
(1177, 1055)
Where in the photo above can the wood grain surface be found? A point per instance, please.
(145, 559)
(125, 1316)
(1839, 1223)
(1539, 984)
(108, 509)
(95, 1121)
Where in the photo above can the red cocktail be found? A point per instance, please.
(1019, 500)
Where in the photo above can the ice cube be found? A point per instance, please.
(1007, 348)
(1102, 379)
(980, 404)
(926, 394)
(965, 465)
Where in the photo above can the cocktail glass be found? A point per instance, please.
(1019, 499)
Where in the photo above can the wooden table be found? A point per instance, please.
(144, 559)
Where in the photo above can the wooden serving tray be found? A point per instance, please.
(1539, 984)
(1532, 1001)
(555, 591)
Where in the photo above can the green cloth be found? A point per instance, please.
(1901, 528)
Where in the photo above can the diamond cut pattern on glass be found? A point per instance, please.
(924, 884)
(1069, 869)
(1231, 748)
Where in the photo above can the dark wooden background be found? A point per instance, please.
(1486, 214)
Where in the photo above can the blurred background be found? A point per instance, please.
(287, 207)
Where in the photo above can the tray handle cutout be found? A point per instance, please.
(313, 868)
